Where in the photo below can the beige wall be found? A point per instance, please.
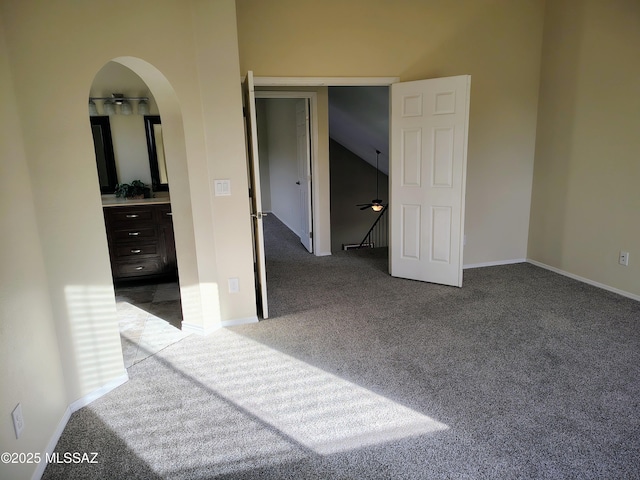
(586, 196)
(353, 182)
(186, 53)
(497, 42)
(31, 372)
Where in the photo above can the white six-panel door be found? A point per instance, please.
(304, 172)
(429, 128)
(256, 199)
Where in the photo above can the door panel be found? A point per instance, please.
(256, 199)
(304, 169)
(429, 129)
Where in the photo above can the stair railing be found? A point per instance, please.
(378, 234)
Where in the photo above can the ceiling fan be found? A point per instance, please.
(376, 204)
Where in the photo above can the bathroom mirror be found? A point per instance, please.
(105, 160)
(155, 146)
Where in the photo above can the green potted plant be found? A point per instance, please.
(134, 190)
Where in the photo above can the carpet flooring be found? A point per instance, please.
(522, 373)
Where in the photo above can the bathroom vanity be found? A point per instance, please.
(141, 241)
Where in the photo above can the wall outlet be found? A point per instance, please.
(234, 285)
(624, 259)
(18, 420)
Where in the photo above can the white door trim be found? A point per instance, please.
(324, 81)
(313, 117)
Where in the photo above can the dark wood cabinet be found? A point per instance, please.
(141, 242)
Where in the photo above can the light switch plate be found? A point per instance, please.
(222, 187)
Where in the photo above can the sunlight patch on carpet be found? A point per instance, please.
(314, 408)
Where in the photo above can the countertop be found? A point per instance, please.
(113, 201)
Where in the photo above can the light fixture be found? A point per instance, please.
(143, 107)
(125, 108)
(376, 204)
(109, 107)
(124, 103)
(93, 110)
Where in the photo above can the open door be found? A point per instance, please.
(256, 199)
(304, 172)
(429, 129)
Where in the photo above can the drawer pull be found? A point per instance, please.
(139, 268)
(134, 234)
(170, 214)
(134, 250)
(132, 215)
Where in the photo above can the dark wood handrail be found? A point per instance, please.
(367, 237)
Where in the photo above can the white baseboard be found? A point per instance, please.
(51, 446)
(87, 399)
(75, 406)
(585, 280)
(239, 321)
(495, 264)
(200, 330)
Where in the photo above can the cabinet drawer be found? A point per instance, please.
(141, 242)
(135, 234)
(146, 266)
(122, 217)
(164, 214)
(135, 251)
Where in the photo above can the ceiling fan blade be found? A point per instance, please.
(365, 207)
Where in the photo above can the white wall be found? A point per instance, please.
(31, 372)
(586, 195)
(130, 148)
(282, 158)
(188, 57)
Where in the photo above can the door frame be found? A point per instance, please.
(320, 224)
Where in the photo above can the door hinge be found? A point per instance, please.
(310, 234)
(244, 112)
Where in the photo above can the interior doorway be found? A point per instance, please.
(284, 146)
(428, 133)
(358, 130)
(128, 140)
(295, 195)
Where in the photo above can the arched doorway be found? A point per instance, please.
(140, 232)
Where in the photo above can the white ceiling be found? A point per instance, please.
(359, 121)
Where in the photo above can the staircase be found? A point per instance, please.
(378, 234)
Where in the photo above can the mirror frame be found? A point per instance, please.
(149, 122)
(107, 153)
